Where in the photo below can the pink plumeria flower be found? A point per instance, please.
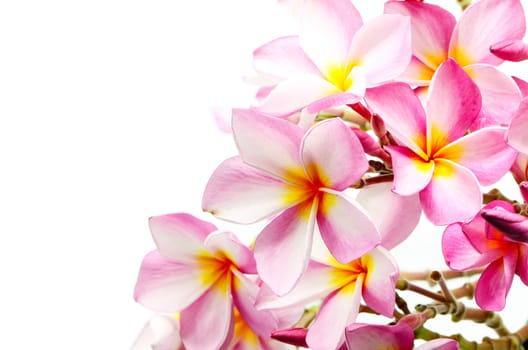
(201, 272)
(435, 156)
(477, 243)
(397, 337)
(373, 277)
(437, 36)
(283, 171)
(518, 131)
(334, 58)
(160, 333)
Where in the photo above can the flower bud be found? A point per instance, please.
(370, 146)
(293, 336)
(415, 320)
(378, 125)
(513, 225)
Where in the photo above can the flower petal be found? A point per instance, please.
(293, 94)
(411, 172)
(417, 73)
(338, 310)
(166, 286)
(316, 283)
(211, 315)
(283, 247)
(241, 193)
(371, 336)
(180, 236)
(395, 216)
(226, 244)
(453, 104)
(495, 282)
(485, 23)
(335, 100)
(500, 95)
(346, 229)
(380, 280)
(261, 322)
(453, 184)
(484, 153)
(459, 252)
(160, 333)
(517, 133)
(401, 112)
(523, 86)
(283, 58)
(338, 169)
(320, 20)
(267, 143)
(431, 26)
(522, 263)
(510, 50)
(383, 47)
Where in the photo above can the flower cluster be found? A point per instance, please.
(363, 127)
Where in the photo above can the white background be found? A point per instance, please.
(105, 120)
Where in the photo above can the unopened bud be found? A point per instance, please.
(513, 225)
(510, 50)
(378, 125)
(415, 320)
(370, 146)
(292, 336)
(360, 109)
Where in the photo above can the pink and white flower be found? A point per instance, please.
(478, 243)
(373, 277)
(202, 273)
(333, 59)
(435, 157)
(283, 171)
(437, 36)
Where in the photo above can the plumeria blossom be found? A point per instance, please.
(201, 272)
(437, 36)
(518, 131)
(435, 157)
(478, 243)
(333, 59)
(373, 277)
(397, 337)
(282, 170)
